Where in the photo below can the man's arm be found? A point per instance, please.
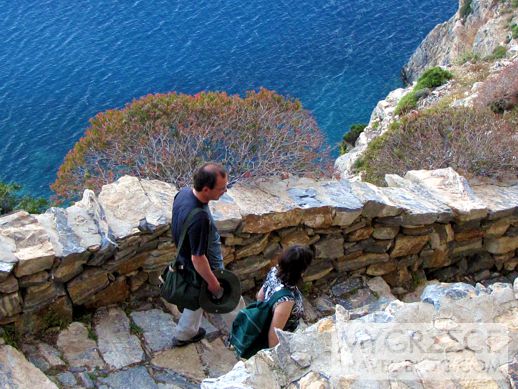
(201, 265)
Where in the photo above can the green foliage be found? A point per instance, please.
(407, 103)
(351, 136)
(514, 3)
(354, 132)
(370, 157)
(468, 56)
(136, 329)
(53, 319)
(91, 333)
(416, 280)
(11, 200)
(433, 78)
(514, 30)
(465, 9)
(8, 333)
(498, 53)
(8, 197)
(167, 136)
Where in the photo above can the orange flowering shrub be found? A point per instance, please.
(166, 136)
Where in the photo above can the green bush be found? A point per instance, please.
(350, 137)
(433, 78)
(354, 132)
(498, 53)
(514, 30)
(468, 56)
(11, 200)
(407, 103)
(466, 9)
(514, 3)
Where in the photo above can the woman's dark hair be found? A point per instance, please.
(294, 261)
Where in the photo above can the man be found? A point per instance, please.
(201, 249)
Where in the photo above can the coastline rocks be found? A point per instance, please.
(478, 32)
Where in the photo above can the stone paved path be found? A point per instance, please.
(114, 348)
(122, 347)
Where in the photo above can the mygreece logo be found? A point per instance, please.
(423, 351)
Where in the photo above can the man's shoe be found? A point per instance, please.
(196, 338)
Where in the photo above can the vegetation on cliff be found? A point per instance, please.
(474, 142)
(431, 78)
(500, 92)
(166, 136)
(12, 199)
(350, 137)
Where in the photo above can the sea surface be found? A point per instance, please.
(61, 62)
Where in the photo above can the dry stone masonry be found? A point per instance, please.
(111, 248)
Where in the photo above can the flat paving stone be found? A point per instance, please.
(78, 350)
(171, 379)
(117, 346)
(217, 358)
(18, 372)
(43, 356)
(169, 386)
(67, 379)
(135, 377)
(158, 327)
(183, 360)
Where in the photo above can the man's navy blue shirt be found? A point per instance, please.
(196, 239)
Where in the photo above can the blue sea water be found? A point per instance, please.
(61, 62)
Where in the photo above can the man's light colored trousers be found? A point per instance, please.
(190, 321)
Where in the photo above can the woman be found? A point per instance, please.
(287, 274)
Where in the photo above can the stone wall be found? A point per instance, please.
(112, 247)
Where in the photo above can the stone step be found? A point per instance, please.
(118, 347)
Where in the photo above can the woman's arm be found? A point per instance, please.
(281, 314)
(260, 295)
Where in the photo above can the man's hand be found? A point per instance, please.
(216, 290)
(201, 264)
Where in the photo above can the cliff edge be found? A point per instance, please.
(478, 27)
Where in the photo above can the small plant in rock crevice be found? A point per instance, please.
(465, 9)
(136, 329)
(467, 56)
(8, 333)
(351, 136)
(498, 53)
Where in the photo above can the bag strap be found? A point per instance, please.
(278, 295)
(185, 227)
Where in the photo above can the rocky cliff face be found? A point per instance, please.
(478, 31)
(433, 342)
(472, 35)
